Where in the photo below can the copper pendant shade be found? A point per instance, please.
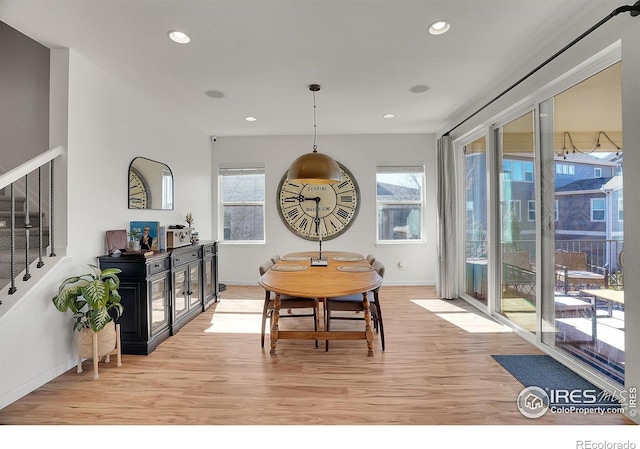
(314, 167)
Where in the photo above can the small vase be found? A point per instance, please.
(134, 245)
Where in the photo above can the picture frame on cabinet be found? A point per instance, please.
(149, 240)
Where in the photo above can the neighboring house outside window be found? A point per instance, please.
(242, 198)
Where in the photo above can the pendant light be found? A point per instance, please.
(314, 167)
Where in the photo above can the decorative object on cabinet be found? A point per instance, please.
(95, 303)
(177, 236)
(189, 219)
(162, 238)
(116, 241)
(147, 232)
(134, 239)
(152, 291)
(150, 185)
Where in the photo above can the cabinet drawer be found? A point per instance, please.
(209, 250)
(185, 256)
(158, 265)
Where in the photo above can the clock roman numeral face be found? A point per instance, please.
(310, 210)
(138, 195)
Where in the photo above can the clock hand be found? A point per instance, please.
(300, 198)
(317, 219)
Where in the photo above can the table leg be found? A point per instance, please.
(275, 318)
(594, 316)
(368, 329)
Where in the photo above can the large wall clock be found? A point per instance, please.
(310, 210)
(138, 191)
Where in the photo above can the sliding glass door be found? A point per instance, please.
(515, 142)
(476, 230)
(583, 307)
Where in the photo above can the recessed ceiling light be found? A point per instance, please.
(389, 115)
(250, 119)
(439, 27)
(214, 94)
(419, 88)
(179, 37)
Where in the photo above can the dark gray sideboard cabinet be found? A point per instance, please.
(163, 292)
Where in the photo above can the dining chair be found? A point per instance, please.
(275, 258)
(371, 258)
(353, 303)
(290, 303)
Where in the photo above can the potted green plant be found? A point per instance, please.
(134, 239)
(94, 301)
(91, 297)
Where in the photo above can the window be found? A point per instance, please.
(531, 209)
(620, 209)
(565, 169)
(518, 170)
(597, 209)
(597, 173)
(242, 192)
(400, 202)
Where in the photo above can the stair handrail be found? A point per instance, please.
(32, 164)
(9, 180)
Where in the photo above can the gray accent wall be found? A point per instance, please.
(24, 98)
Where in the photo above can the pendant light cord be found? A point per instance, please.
(315, 133)
(634, 10)
(314, 88)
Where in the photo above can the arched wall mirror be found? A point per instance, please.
(150, 185)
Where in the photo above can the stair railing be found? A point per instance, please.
(9, 179)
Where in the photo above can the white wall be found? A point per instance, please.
(108, 125)
(359, 153)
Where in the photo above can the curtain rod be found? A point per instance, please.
(634, 10)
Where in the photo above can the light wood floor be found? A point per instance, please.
(437, 369)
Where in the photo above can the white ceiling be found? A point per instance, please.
(262, 55)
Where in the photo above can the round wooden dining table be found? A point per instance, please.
(345, 273)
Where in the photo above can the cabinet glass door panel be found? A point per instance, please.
(194, 283)
(180, 287)
(208, 277)
(159, 303)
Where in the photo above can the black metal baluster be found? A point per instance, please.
(51, 212)
(27, 228)
(40, 224)
(13, 289)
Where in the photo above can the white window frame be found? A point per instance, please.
(249, 169)
(597, 172)
(394, 167)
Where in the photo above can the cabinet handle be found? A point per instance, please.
(156, 265)
(177, 260)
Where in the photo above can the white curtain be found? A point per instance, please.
(446, 274)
